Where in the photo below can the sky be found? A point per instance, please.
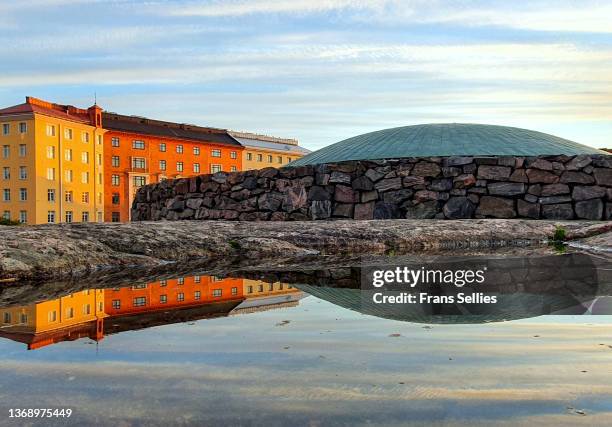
(319, 70)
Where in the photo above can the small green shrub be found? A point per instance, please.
(559, 235)
(234, 244)
(4, 221)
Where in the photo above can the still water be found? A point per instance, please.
(209, 350)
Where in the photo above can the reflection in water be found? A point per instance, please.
(94, 313)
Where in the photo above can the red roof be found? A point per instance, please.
(34, 105)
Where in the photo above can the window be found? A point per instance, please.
(6, 215)
(23, 172)
(215, 153)
(215, 168)
(163, 283)
(99, 198)
(162, 147)
(85, 197)
(162, 165)
(114, 216)
(85, 157)
(260, 157)
(7, 317)
(139, 181)
(99, 139)
(269, 158)
(260, 288)
(85, 137)
(51, 217)
(50, 152)
(271, 287)
(196, 167)
(138, 163)
(115, 180)
(163, 299)
(52, 316)
(85, 216)
(23, 194)
(196, 151)
(115, 142)
(23, 318)
(50, 130)
(50, 174)
(99, 157)
(280, 286)
(115, 161)
(70, 313)
(197, 295)
(68, 133)
(140, 301)
(115, 198)
(138, 144)
(249, 156)
(234, 291)
(6, 172)
(100, 178)
(69, 216)
(23, 127)
(68, 154)
(233, 169)
(197, 279)
(50, 195)
(180, 281)
(6, 195)
(6, 129)
(279, 159)
(6, 151)
(86, 309)
(68, 196)
(180, 297)
(140, 286)
(288, 159)
(116, 304)
(85, 177)
(23, 150)
(179, 166)
(179, 149)
(233, 155)
(217, 292)
(68, 175)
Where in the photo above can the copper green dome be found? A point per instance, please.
(446, 139)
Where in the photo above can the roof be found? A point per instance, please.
(33, 105)
(449, 139)
(268, 145)
(142, 125)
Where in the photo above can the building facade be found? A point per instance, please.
(262, 151)
(51, 163)
(140, 151)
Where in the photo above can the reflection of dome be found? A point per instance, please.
(452, 139)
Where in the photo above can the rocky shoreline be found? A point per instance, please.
(51, 252)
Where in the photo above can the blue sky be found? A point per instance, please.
(316, 70)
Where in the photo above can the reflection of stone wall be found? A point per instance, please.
(551, 187)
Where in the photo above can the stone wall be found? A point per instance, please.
(550, 187)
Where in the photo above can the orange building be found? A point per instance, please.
(139, 151)
(171, 294)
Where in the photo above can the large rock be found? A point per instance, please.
(384, 210)
(540, 164)
(425, 210)
(270, 201)
(343, 210)
(496, 207)
(458, 207)
(506, 188)
(388, 184)
(587, 193)
(442, 184)
(555, 189)
(337, 177)
(363, 183)
(368, 196)
(294, 198)
(495, 173)
(603, 176)
(569, 177)
(519, 175)
(318, 193)
(345, 194)
(423, 195)
(364, 211)
(537, 176)
(320, 209)
(551, 200)
(457, 161)
(590, 209)
(397, 196)
(560, 211)
(412, 181)
(426, 169)
(464, 181)
(578, 162)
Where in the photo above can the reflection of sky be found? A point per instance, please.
(319, 70)
(340, 367)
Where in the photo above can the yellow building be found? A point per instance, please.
(263, 151)
(51, 163)
(67, 318)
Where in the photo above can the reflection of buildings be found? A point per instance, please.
(95, 312)
(67, 318)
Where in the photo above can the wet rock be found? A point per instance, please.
(459, 207)
(496, 207)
